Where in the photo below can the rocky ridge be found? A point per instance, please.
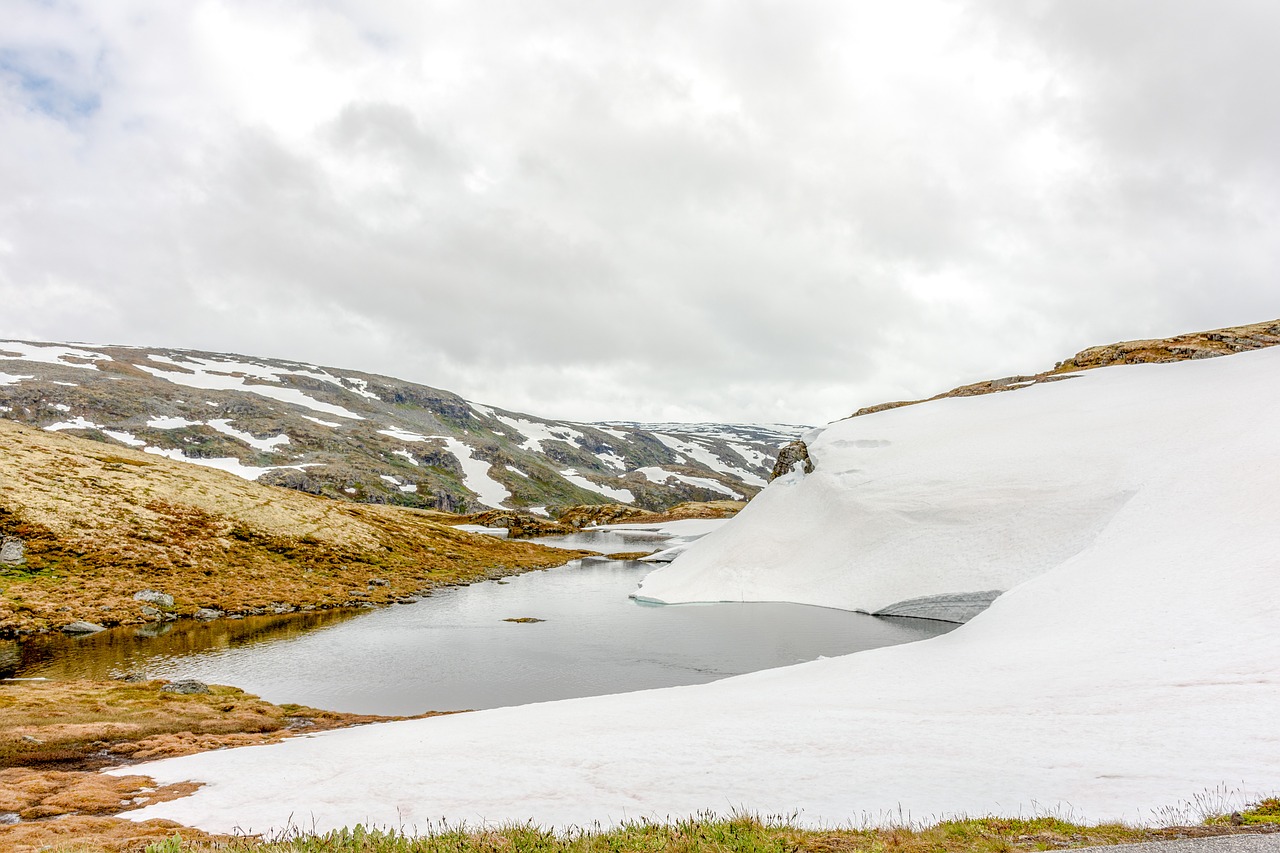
(368, 438)
(1193, 345)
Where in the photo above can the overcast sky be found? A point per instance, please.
(734, 211)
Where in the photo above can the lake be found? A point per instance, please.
(453, 650)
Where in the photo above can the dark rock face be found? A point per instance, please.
(292, 478)
(794, 453)
(446, 502)
(12, 551)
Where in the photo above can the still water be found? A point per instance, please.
(453, 650)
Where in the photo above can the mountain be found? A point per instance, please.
(1129, 665)
(369, 438)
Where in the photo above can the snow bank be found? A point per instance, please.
(969, 494)
(1132, 663)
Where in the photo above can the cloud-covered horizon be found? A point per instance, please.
(756, 211)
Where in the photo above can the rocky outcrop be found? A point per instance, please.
(1194, 345)
(591, 515)
(1178, 348)
(793, 454)
(519, 525)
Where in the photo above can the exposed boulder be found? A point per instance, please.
(82, 627)
(150, 596)
(186, 686)
(12, 551)
(793, 454)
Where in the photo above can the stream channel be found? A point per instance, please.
(454, 650)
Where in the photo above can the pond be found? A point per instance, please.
(455, 650)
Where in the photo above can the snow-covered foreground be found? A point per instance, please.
(1133, 663)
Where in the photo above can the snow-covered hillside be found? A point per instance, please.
(369, 438)
(1130, 513)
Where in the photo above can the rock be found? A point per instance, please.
(150, 612)
(207, 614)
(793, 454)
(186, 686)
(377, 582)
(12, 551)
(150, 596)
(82, 627)
(524, 620)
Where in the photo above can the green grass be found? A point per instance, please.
(1264, 812)
(705, 834)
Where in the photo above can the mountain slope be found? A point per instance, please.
(369, 438)
(1128, 512)
(84, 526)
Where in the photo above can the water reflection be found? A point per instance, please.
(457, 650)
(117, 651)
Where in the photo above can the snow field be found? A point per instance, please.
(1130, 512)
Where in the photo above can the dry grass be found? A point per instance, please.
(103, 523)
(54, 734)
(87, 723)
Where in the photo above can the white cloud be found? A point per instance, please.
(640, 211)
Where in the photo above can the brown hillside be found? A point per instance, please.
(100, 523)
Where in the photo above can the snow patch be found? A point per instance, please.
(318, 421)
(661, 476)
(475, 473)
(613, 460)
(125, 437)
(620, 495)
(536, 432)
(75, 423)
(52, 354)
(212, 375)
(407, 455)
(223, 463)
(404, 434)
(10, 379)
(703, 454)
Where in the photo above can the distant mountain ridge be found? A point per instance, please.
(369, 438)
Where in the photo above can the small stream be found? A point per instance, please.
(455, 650)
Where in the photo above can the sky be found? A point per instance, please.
(639, 210)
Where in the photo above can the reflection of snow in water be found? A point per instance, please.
(453, 650)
